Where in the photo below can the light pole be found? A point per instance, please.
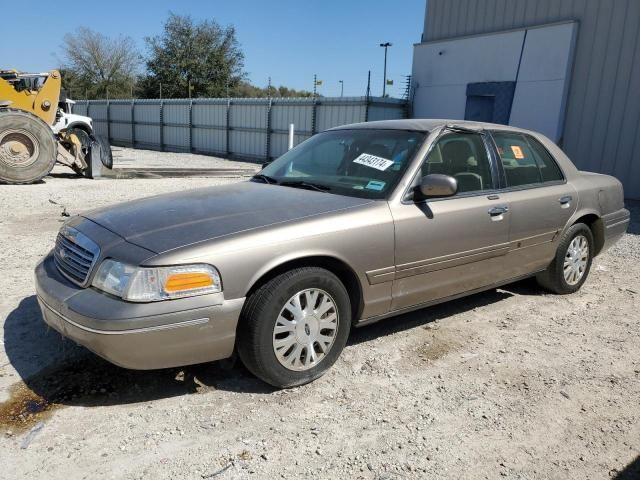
(384, 81)
(341, 82)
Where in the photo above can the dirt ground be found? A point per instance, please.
(514, 382)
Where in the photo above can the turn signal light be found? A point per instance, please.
(179, 282)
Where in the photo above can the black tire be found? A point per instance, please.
(553, 278)
(35, 138)
(255, 334)
(106, 156)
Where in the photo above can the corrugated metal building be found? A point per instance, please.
(600, 121)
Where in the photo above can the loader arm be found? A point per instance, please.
(41, 102)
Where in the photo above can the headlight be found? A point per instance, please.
(140, 284)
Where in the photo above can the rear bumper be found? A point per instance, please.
(138, 336)
(615, 226)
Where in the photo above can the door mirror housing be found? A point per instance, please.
(437, 185)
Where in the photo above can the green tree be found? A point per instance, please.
(204, 55)
(94, 65)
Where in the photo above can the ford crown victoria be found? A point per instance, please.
(354, 225)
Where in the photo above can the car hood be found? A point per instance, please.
(174, 220)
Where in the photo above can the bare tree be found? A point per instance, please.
(99, 65)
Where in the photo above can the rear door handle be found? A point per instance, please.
(496, 211)
(565, 201)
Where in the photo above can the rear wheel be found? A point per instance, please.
(294, 327)
(571, 265)
(27, 147)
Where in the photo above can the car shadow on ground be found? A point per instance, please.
(634, 207)
(58, 372)
(631, 471)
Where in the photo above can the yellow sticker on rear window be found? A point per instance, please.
(517, 152)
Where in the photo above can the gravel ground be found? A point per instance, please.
(513, 382)
(132, 158)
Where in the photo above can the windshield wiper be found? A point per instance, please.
(265, 178)
(308, 185)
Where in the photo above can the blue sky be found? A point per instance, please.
(287, 40)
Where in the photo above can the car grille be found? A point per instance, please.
(75, 255)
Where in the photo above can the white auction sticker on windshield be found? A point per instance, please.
(373, 161)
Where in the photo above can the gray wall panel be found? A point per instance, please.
(97, 111)
(212, 115)
(248, 132)
(209, 141)
(121, 133)
(383, 112)
(80, 109)
(601, 126)
(176, 113)
(329, 116)
(100, 127)
(148, 135)
(298, 114)
(176, 138)
(249, 144)
(147, 113)
(248, 116)
(120, 112)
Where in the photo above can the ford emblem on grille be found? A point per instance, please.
(75, 255)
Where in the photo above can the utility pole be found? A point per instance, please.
(384, 81)
(341, 82)
(160, 90)
(269, 88)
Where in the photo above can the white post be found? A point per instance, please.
(290, 136)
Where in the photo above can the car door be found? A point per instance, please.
(447, 246)
(541, 201)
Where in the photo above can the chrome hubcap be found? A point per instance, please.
(18, 148)
(305, 329)
(576, 259)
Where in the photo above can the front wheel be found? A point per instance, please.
(572, 262)
(27, 147)
(294, 327)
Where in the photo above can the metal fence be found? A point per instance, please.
(252, 129)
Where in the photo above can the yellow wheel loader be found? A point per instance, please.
(37, 129)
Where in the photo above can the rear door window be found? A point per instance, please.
(524, 160)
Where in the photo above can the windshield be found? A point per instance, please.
(361, 163)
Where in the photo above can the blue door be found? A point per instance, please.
(480, 108)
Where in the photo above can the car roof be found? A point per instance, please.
(428, 124)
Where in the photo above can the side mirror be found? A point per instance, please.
(438, 185)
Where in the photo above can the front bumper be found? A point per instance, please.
(138, 336)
